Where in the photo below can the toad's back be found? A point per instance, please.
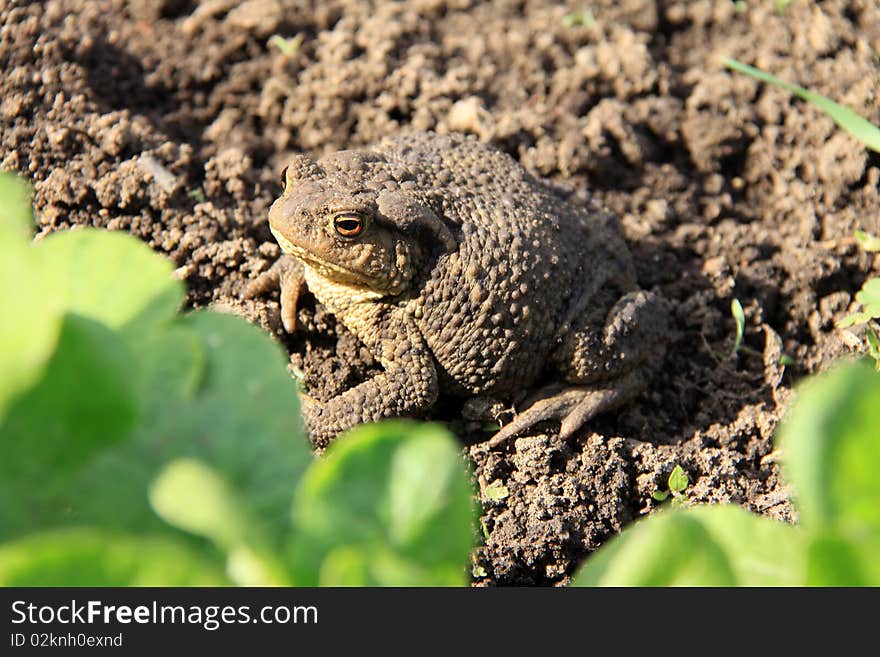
(528, 262)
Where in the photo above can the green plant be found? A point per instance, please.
(832, 457)
(869, 135)
(781, 5)
(286, 46)
(866, 132)
(583, 18)
(142, 446)
(739, 319)
(867, 242)
(869, 298)
(675, 486)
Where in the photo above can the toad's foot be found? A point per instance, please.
(573, 405)
(287, 276)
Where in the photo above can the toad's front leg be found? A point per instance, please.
(407, 385)
(287, 275)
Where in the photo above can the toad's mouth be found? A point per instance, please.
(329, 270)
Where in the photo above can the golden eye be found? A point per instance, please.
(349, 224)
(284, 179)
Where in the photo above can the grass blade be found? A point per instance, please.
(863, 130)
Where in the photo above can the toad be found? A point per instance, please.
(463, 274)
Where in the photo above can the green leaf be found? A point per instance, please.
(286, 46)
(832, 443)
(874, 346)
(171, 364)
(833, 561)
(861, 129)
(867, 242)
(345, 566)
(699, 546)
(243, 421)
(855, 318)
(196, 498)
(30, 315)
(739, 317)
(397, 493)
(111, 277)
(238, 413)
(88, 557)
(30, 320)
(660, 495)
(678, 480)
(869, 297)
(16, 223)
(84, 404)
(496, 491)
(583, 18)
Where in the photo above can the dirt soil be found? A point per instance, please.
(172, 119)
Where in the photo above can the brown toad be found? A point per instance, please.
(463, 274)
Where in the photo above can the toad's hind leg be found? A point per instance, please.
(607, 362)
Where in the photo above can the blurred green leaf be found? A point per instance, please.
(88, 557)
(30, 322)
(699, 546)
(170, 364)
(834, 561)
(874, 346)
(111, 277)
(192, 496)
(31, 315)
(196, 498)
(84, 445)
(345, 566)
(243, 421)
(832, 442)
(863, 130)
(84, 404)
(396, 492)
(16, 222)
(660, 495)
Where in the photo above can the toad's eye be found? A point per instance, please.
(284, 179)
(349, 224)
